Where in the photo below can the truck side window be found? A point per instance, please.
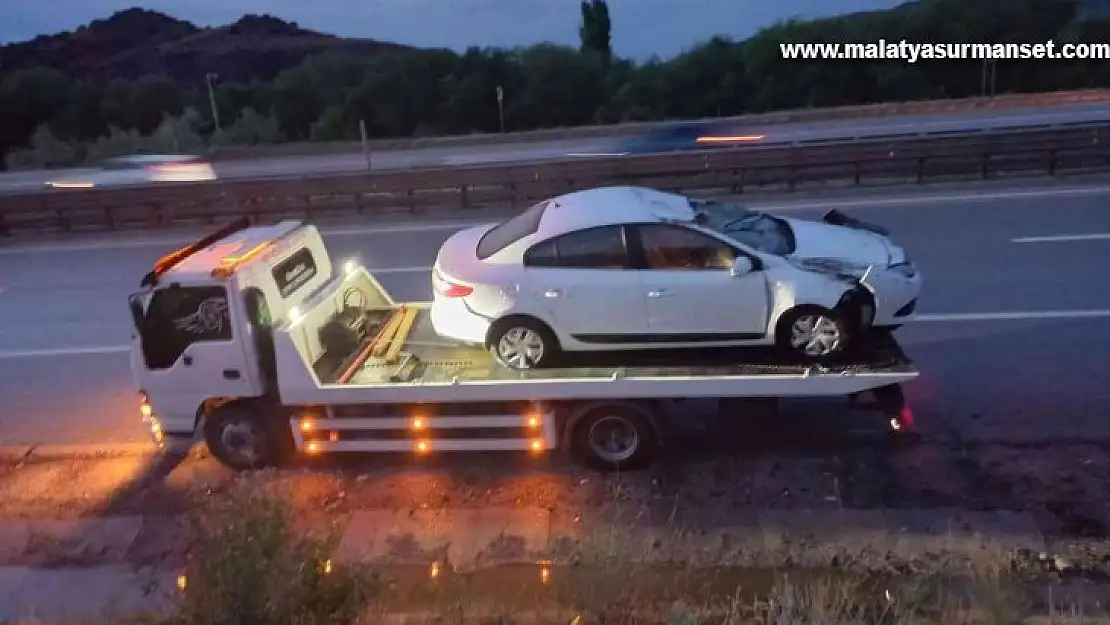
(181, 316)
(258, 312)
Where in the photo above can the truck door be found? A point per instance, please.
(191, 348)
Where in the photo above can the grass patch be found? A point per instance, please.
(254, 562)
(251, 564)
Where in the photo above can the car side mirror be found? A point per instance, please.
(742, 266)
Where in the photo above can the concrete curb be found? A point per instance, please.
(469, 539)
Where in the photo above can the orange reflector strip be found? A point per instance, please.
(230, 262)
(730, 138)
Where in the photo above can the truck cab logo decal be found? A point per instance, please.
(294, 272)
(210, 317)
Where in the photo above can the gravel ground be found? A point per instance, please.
(704, 481)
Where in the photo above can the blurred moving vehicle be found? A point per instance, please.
(617, 268)
(686, 136)
(141, 169)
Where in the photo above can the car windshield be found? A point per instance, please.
(754, 229)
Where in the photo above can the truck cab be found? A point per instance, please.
(204, 319)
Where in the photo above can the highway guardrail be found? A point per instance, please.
(864, 111)
(732, 171)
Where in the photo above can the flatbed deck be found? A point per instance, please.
(426, 358)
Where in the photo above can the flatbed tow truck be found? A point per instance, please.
(251, 339)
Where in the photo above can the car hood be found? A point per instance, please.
(814, 240)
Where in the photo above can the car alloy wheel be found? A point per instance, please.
(521, 348)
(816, 335)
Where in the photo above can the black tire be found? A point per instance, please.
(246, 436)
(532, 330)
(845, 329)
(625, 455)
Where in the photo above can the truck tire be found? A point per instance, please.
(614, 437)
(245, 436)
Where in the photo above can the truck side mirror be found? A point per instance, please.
(742, 266)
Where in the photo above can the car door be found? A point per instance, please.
(690, 291)
(587, 285)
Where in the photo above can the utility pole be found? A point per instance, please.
(365, 141)
(501, 107)
(990, 74)
(209, 78)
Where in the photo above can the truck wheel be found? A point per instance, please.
(614, 437)
(243, 436)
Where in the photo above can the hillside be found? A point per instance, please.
(135, 42)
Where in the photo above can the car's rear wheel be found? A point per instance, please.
(815, 334)
(523, 343)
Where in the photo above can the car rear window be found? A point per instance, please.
(510, 231)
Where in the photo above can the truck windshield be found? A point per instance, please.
(171, 319)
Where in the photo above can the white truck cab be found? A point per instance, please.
(251, 337)
(204, 319)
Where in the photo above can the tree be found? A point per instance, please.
(251, 128)
(595, 33)
(411, 92)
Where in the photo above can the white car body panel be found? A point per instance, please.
(817, 240)
(828, 262)
(585, 301)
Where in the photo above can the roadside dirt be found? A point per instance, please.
(1066, 487)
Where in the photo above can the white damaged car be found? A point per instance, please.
(618, 268)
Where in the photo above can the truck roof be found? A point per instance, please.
(224, 250)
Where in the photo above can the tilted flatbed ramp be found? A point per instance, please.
(430, 369)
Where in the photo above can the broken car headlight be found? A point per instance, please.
(906, 269)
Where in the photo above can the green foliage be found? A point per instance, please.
(406, 92)
(251, 565)
(595, 32)
(252, 128)
(46, 150)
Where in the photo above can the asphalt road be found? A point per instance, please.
(1045, 371)
(524, 152)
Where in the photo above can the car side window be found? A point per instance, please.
(595, 248)
(675, 247)
(542, 255)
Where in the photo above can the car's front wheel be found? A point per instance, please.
(523, 343)
(815, 334)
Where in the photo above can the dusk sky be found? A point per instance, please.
(640, 27)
